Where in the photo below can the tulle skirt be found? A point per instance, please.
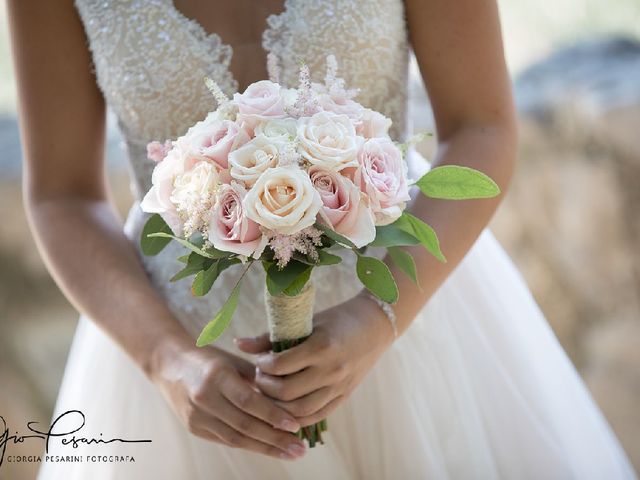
(478, 387)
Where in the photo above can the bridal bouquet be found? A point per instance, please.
(283, 177)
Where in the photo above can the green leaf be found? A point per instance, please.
(394, 236)
(298, 284)
(405, 262)
(184, 258)
(205, 279)
(150, 245)
(209, 253)
(377, 278)
(221, 321)
(425, 234)
(326, 258)
(279, 279)
(455, 182)
(333, 235)
(195, 263)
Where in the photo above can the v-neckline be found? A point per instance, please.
(204, 34)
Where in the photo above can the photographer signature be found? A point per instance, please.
(69, 438)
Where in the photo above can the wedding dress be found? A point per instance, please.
(478, 387)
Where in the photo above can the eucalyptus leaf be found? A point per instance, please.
(209, 253)
(221, 321)
(194, 264)
(333, 235)
(149, 244)
(393, 236)
(205, 279)
(326, 258)
(405, 262)
(279, 279)
(298, 284)
(377, 278)
(425, 234)
(455, 182)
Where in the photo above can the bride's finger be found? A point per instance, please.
(322, 413)
(294, 359)
(239, 393)
(233, 438)
(310, 404)
(291, 387)
(255, 429)
(257, 344)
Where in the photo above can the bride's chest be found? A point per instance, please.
(150, 59)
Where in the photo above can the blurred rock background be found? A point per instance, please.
(571, 219)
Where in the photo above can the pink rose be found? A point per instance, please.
(345, 209)
(215, 141)
(229, 228)
(338, 100)
(261, 101)
(373, 124)
(382, 175)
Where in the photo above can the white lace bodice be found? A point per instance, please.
(150, 61)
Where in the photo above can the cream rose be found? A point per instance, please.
(248, 162)
(283, 200)
(229, 228)
(382, 175)
(345, 208)
(328, 140)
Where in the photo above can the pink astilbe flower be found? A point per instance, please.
(306, 103)
(334, 84)
(305, 242)
(156, 151)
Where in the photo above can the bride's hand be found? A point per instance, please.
(213, 394)
(311, 379)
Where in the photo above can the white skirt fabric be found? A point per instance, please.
(478, 387)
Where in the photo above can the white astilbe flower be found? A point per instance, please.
(335, 85)
(194, 195)
(226, 108)
(273, 67)
(289, 155)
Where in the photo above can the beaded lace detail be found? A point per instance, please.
(150, 61)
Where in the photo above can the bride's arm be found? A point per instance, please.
(62, 116)
(459, 49)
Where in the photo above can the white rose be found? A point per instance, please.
(328, 140)
(280, 130)
(193, 187)
(283, 200)
(250, 160)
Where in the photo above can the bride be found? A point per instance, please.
(475, 385)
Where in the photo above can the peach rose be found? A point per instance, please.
(283, 200)
(382, 175)
(229, 228)
(328, 140)
(345, 209)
